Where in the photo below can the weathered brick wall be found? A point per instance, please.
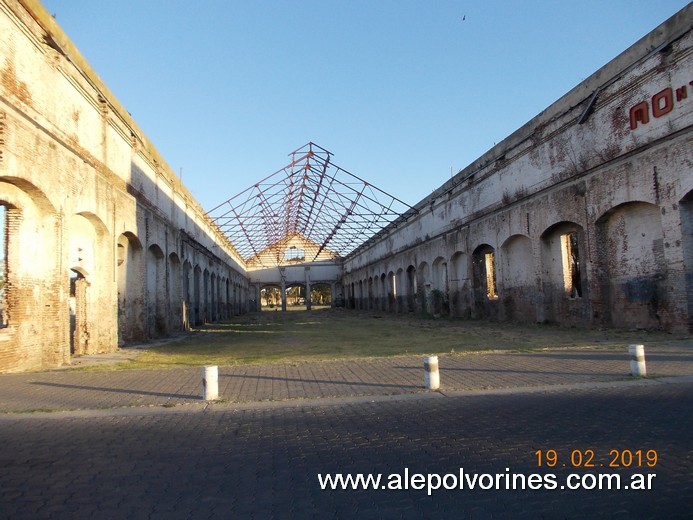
(609, 164)
(102, 239)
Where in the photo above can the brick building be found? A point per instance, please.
(102, 243)
(584, 216)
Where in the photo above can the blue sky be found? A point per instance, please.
(400, 91)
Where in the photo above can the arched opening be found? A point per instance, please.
(460, 301)
(295, 295)
(176, 305)
(371, 296)
(563, 275)
(383, 299)
(632, 260)
(485, 282)
(440, 294)
(271, 297)
(236, 299)
(321, 295)
(686, 212)
(130, 290)
(213, 295)
(240, 308)
(411, 289)
(223, 298)
(391, 288)
(31, 298)
(157, 319)
(338, 296)
(5, 212)
(424, 289)
(243, 295)
(89, 252)
(205, 305)
(79, 321)
(188, 297)
(518, 279)
(220, 299)
(400, 290)
(197, 296)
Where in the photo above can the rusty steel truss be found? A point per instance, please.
(311, 198)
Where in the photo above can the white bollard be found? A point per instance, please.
(431, 375)
(637, 360)
(210, 383)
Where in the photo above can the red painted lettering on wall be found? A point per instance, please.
(639, 114)
(662, 104)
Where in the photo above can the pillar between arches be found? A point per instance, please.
(308, 302)
(283, 291)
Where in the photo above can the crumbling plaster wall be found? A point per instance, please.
(600, 173)
(102, 240)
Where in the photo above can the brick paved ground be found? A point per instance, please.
(261, 460)
(67, 390)
(124, 452)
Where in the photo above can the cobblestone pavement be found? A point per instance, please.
(142, 443)
(262, 460)
(77, 390)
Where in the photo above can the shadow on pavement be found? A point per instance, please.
(324, 381)
(115, 390)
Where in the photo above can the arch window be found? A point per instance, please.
(562, 262)
(484, 269)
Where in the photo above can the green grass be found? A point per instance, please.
(294, 337)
